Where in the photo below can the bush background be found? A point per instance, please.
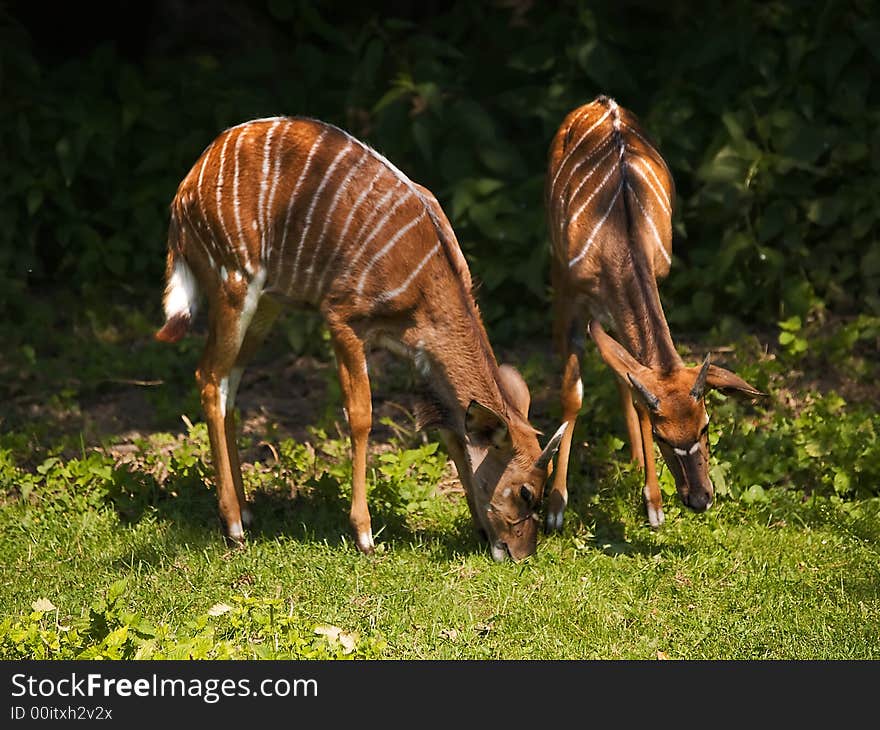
(766, 112)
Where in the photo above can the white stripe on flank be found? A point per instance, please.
(341, 239)
(600, 146)
(387, 247)
(573, 196)
(276, 176)
(202, 208)
(661, 194)
(573, 149)
(235, 204)
(220, 190)
(256, 121)
(388, 295)
(340, 191)
(263, 184)
(362, 247)
(651, 224)
(185, 212)
(302, 176)
(596, 228)
(316, 196)
(572, 218)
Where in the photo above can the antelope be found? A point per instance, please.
(294, 212)
(609, 197)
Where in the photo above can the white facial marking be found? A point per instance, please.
(693, 449)
(506, 492)
(680, 452)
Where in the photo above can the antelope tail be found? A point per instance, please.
(181, 290)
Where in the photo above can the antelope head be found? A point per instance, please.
(508, 470)
(675, 404)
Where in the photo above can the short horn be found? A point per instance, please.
(650, 400)
(551, 447)
(700, 384)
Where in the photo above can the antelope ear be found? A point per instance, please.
(623, 364)
(485, 427)
(515, 388)
(722, 379)
(613, 353)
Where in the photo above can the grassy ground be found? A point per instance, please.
(110, 543)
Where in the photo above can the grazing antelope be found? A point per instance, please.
(295, 212)
(609, 198)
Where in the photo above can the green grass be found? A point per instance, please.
(786, 579)
(117, 553)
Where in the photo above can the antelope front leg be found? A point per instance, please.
(653, 501)
(352, 366)
(456, 451)
(633, 427)
(572, 399)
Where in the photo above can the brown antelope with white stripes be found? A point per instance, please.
(609, 197)
(295, 212)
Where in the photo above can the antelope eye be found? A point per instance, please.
(526, 494)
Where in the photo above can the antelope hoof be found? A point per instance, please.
(365, 542)
(235, 535)
(655, 516)
(555, 511)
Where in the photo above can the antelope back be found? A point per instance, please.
(608, 192)
(316, 212)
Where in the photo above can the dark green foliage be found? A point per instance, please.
(767, 113)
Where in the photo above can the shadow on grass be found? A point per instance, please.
(317, 513)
